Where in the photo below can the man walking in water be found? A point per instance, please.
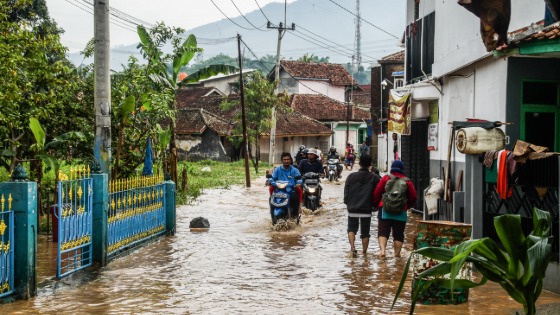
(358, 197)
(391, 221)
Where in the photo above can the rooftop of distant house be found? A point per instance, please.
(336, 74)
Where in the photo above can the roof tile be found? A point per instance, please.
(323, 108)
(333, 72)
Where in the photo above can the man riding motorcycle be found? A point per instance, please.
(332, 154)
(312, 165)
(288, 172)
(301, 154)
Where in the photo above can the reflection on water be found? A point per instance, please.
(241, 266)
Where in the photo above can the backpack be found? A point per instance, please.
(394, 198)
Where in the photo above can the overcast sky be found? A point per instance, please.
(76, 17)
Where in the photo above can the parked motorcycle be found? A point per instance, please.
(332, 169)
(311, 190)
(280, 202)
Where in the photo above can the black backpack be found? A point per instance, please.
(394, 198)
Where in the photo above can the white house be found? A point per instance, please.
(452, 77)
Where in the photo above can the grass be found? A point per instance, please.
(220, 175)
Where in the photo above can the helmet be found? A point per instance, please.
(301, 147)
(333, 149)
(305, 151)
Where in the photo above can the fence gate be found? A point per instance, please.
(75, 215)
(6, 246)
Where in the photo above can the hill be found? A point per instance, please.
(322, 28)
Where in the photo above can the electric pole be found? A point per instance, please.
(102, 88)
(281, 31)
(243, 121)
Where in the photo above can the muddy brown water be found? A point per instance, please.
(240, 266)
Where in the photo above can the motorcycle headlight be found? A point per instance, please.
(312, 190)
(282, 185)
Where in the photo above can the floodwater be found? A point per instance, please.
(240, 266)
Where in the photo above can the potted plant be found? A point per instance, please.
(518, 265)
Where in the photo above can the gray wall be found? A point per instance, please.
(209, 148)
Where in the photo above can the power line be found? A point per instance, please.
(377, 27)
(245, 28)
(257, 28)
(257, 58)
(314, 41)
(266, 17)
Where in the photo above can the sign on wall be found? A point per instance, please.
(433, 126)
(399, 113)
(432, 137)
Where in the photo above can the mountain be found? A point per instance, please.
(322, 27)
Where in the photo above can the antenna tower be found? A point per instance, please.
(358, 39)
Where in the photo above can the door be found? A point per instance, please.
(416, 158)
(540, 114)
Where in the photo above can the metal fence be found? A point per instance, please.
(6, 246)
(74, 212)
(136, 212)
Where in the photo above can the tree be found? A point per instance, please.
(163, 70)
(259, 101)
(313, 59)
(36, 80)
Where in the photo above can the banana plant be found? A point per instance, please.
(160, 64)
(518, 265)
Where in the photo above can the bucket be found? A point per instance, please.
(476, 140)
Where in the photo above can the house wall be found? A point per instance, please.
(207, 146)
(302, 86)
(292, 144)
(457, 38)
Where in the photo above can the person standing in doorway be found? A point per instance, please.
(395, 222)
(395, 138)
(358, 197)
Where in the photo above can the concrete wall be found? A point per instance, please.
(207, 146)
(292, 144)
(460, 43)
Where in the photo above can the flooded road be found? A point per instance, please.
(240, 266)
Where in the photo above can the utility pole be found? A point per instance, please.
(243, 121)
(281, 31)
(102, 88)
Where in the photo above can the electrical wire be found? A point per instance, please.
(377, 27)
(257, 28)
(266, 17)
(227, 17)
(257, 58)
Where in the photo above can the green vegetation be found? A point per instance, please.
(518, 264)
(221, 175)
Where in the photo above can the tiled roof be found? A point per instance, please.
(186, 96)
(210, 104)
(195, 121)
(323, 108)
(535, 32)
(296, 124)
(365, 87)
(398, 56)
(361, 98)
(333, 72)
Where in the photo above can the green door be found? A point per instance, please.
(540, 114)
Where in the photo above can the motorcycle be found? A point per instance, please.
(332, 169)
(311, 190)
(280, 202)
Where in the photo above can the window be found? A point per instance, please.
(399, 83)
(420, 47)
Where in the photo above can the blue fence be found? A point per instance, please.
(74, 214)
(136, 212)
(6, 246)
